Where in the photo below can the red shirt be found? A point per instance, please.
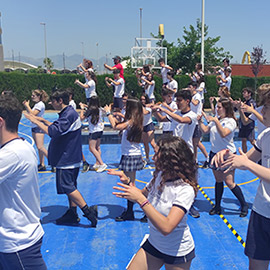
(120, 67)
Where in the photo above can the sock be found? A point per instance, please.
(219, 187)
(239, 195)
(130, 206)
(86, 210)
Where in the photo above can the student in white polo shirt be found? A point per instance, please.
(172, 84)
(226, 80)
(164, 70)
(221, 131)
(20, 232)
(119, 88)
(183, 120)
(257, 243)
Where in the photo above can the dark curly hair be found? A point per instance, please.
(175, 159)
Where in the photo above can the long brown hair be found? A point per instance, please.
(227, 105)
(175, 159)
(43, 96)
(134, 112)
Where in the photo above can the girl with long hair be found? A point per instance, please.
(38, 97)
(131, 160)
(221, 131)
(93, 113)
(165, 200)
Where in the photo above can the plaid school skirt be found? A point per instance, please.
(131, 163)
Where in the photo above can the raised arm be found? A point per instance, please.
(165, 224)
(223, 131)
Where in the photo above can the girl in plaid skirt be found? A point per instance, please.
(131, 160)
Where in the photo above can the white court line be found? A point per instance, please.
(31, 139)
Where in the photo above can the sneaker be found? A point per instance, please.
(53, 169)
(148, 161)
(144, 219)
(41, 168)
(86, 167)
(215, 211)
(205, 164)
(125, 216)
(102, 168)
(193, 212)
(68, 218)
(244, 211)
(92, 215)
(95, 166)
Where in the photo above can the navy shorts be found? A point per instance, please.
(169, 132)
(131, 163)
(66, 180)
(213, 167)
(29, 258)
(117, 103)
(149, 127)
(95, 135)
(197, 132)
(167, 258)
(247, 133)
(258, 237)
(37, 130)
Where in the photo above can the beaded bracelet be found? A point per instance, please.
(144, 203)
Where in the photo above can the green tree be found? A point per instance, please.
(187, 52)
(257, 62)
(48, 64)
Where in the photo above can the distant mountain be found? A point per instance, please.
(71, 62)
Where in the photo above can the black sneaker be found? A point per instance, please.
(41, 168)
(244, 211)
(92, 215)
(86, 167)
(215, 211)
(125, 216)
(53, 170)
(205, 165)
(144, 219)
(68, 218)
(193, 212)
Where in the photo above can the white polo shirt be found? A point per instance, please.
(19, 197)
(261, 203)
(119, 89)
(39, 106)
(217, 142)
(185, 131)
(175, 193)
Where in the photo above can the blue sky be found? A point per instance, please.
(241, 24)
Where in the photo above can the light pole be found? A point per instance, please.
(202, 37)
(97, 59)
(141, 25)
(45, 44)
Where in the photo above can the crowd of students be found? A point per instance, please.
(170, 195)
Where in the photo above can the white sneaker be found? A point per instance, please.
(102, 168)
(95, 166)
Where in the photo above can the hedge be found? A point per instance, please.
(23, 84)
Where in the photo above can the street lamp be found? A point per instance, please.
(45, 44)
(202, 37)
